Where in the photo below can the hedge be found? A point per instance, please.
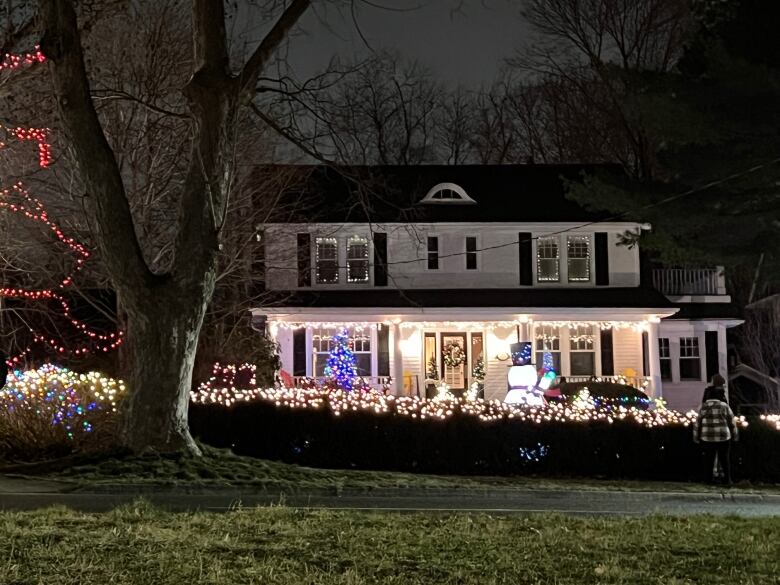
(464, 445)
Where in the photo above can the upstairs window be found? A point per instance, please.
(357, 259)
(548, 266)
(471, 253)
(433, 253)
(582, 354)
(578, 254)
(327, 260)
(690, 362)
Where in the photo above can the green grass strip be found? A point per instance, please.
(138, 544)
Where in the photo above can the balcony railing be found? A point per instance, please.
(688, 281)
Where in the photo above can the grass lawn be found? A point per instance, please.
(139, 544)
(220, 468)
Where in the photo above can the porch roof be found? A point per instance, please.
(569, 298)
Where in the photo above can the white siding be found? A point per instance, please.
(627, 351)
(412, 350)
(284, 338)
(623, 262)
(498, 260)
(686, 394)
(497, 342)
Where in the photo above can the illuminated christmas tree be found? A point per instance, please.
(342, 365)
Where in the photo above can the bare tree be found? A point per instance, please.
(760, 344)
(586, 58)
(165, 307)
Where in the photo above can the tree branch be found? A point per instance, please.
(116, 233)
(259, 59)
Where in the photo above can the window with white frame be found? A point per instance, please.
(548, 340)
(578, 258)
(359, 343)
(582, 353)
(433, 253)
(471, 253)
(327, 260)
(357, 259)
(548, 264)
(690, 361)
(665, 357)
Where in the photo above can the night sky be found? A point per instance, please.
(466, 46)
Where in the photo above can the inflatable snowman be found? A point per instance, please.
(523, 380)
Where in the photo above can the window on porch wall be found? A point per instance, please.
(690, 362)
(582, 353)
(665, 357)
(548, 340)
(359, 342)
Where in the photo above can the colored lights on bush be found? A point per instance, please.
(60, 396)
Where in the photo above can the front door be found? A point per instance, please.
(454, 361)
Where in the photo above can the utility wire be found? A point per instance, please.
(618, 216)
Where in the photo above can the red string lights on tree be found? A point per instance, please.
(17, 199)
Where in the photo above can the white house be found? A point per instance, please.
(415, 260)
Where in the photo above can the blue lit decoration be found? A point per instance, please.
(547, 361)
(342, 365)
(521, 353)
(533, 454)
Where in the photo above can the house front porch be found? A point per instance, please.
(400, 351)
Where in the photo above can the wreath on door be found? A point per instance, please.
(453, 355)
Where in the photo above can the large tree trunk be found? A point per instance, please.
(163, 328)
(165, 311)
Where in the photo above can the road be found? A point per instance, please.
(494, 501)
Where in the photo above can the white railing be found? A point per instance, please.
(639, 382)
(688, 281)
(377, 382)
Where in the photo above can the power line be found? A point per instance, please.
(610, 219)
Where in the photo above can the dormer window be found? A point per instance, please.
(447, 194)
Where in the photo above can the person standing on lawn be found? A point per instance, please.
(715, 429)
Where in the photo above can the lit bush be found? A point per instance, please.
(52, 410)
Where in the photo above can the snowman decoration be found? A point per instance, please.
(525, 385)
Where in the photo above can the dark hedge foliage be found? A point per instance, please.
(463, 445)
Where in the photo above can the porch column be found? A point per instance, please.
(656, 389)
(398, 361)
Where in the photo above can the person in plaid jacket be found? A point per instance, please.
(715, 430)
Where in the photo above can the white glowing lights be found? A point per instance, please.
(442, 406)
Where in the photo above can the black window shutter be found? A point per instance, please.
(607, 359)
(299, 351)
(711, 352)
(383, 351)
(304, 260)
(645, 354)
(601, 257)
(526, 260)
(380, 261)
